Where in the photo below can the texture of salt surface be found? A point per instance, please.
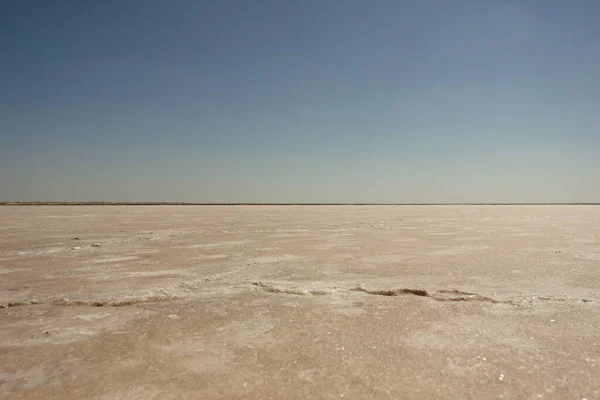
(219, 305)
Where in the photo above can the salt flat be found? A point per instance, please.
(161, 302)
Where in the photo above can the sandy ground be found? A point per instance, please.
(170, 302)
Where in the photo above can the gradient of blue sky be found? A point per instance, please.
(300, 101)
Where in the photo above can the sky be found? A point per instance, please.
(300, 101)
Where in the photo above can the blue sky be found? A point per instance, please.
(300, 101)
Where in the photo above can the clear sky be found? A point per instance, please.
(300, 100)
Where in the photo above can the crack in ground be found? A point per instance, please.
(444, 295)
(440, 295)
(395, 292)
(92, 302)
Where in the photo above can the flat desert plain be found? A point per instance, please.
(300, 302)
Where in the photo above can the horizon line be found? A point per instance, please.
(173, 203)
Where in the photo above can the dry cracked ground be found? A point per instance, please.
(300, 302)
